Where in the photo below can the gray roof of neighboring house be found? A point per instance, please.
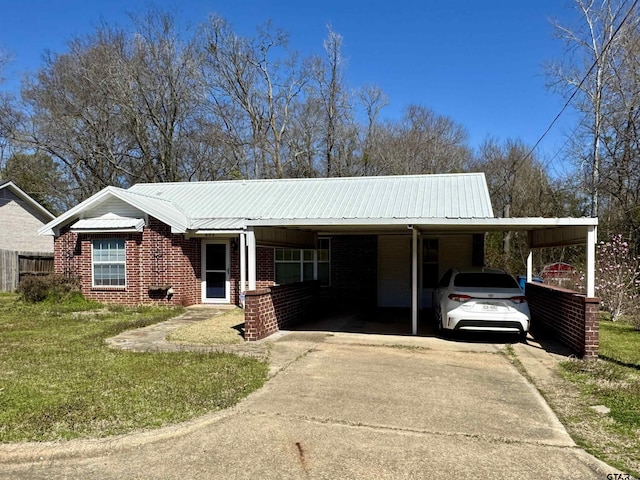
(233, 205)
(392, 197)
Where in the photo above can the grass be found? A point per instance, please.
(220, 329)
(58, 380)
(620, 343)
(612, 381)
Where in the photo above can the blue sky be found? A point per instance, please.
(479, 62)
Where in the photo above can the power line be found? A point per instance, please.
(584, 79)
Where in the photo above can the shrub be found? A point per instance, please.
(36, 288)
(617, 271)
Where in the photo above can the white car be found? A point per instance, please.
(487, 300)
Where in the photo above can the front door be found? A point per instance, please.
(215, 271)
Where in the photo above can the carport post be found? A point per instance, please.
(251, 247)
(414, 282)
(243, 263)
(591, 261)
(530, 266)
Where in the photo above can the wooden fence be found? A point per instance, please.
(14, 265)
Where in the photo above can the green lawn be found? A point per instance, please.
(58, 380)
(612, 381)
(620, 342)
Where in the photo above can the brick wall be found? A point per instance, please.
(155, 257)
(268, 310)
(571, 317)
(354, 269)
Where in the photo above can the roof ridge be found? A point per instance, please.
(309, 179)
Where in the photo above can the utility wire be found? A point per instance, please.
(584, 79)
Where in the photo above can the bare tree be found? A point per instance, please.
(519, 186)
(248, 76)
(9, 117)
(75, 115)
(161, 97)
(591, 47)
(336, 108)
(373, 100)
(422, 142)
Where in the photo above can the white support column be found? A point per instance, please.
(591, 261)
(414, 282)
(243, 263)
(251, 251)
(530, 266)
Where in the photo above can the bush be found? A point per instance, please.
(617, 272)
(35, 288)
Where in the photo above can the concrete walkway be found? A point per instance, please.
(153, 337)
(343, 405)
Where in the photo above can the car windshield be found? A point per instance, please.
(485, 280)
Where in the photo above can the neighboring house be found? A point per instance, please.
(376, 241)
(22, 250)
(21, 217)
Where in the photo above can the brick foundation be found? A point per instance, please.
(569, 316)
(268, 310)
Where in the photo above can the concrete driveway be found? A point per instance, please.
(347, 406)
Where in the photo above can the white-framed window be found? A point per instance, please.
(108, 262)
(294, 265)
(301, 265)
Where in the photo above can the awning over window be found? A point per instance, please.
(108, 223)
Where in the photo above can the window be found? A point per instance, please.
(429, 262)
(108, 262)
(301, 265)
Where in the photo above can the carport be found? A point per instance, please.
(579, 331)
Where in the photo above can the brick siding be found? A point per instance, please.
(154, 258)
(268, 310)
(354, 270)
(571, 317)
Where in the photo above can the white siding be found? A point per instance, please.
(394, 271)
(455, 251)
(19, 229)
(114, 205)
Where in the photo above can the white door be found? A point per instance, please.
(394, 271)
(215, 271)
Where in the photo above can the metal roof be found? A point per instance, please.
(434, 203)
(109, 222)
(218, 224)
(356, 198)
(162, 209)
